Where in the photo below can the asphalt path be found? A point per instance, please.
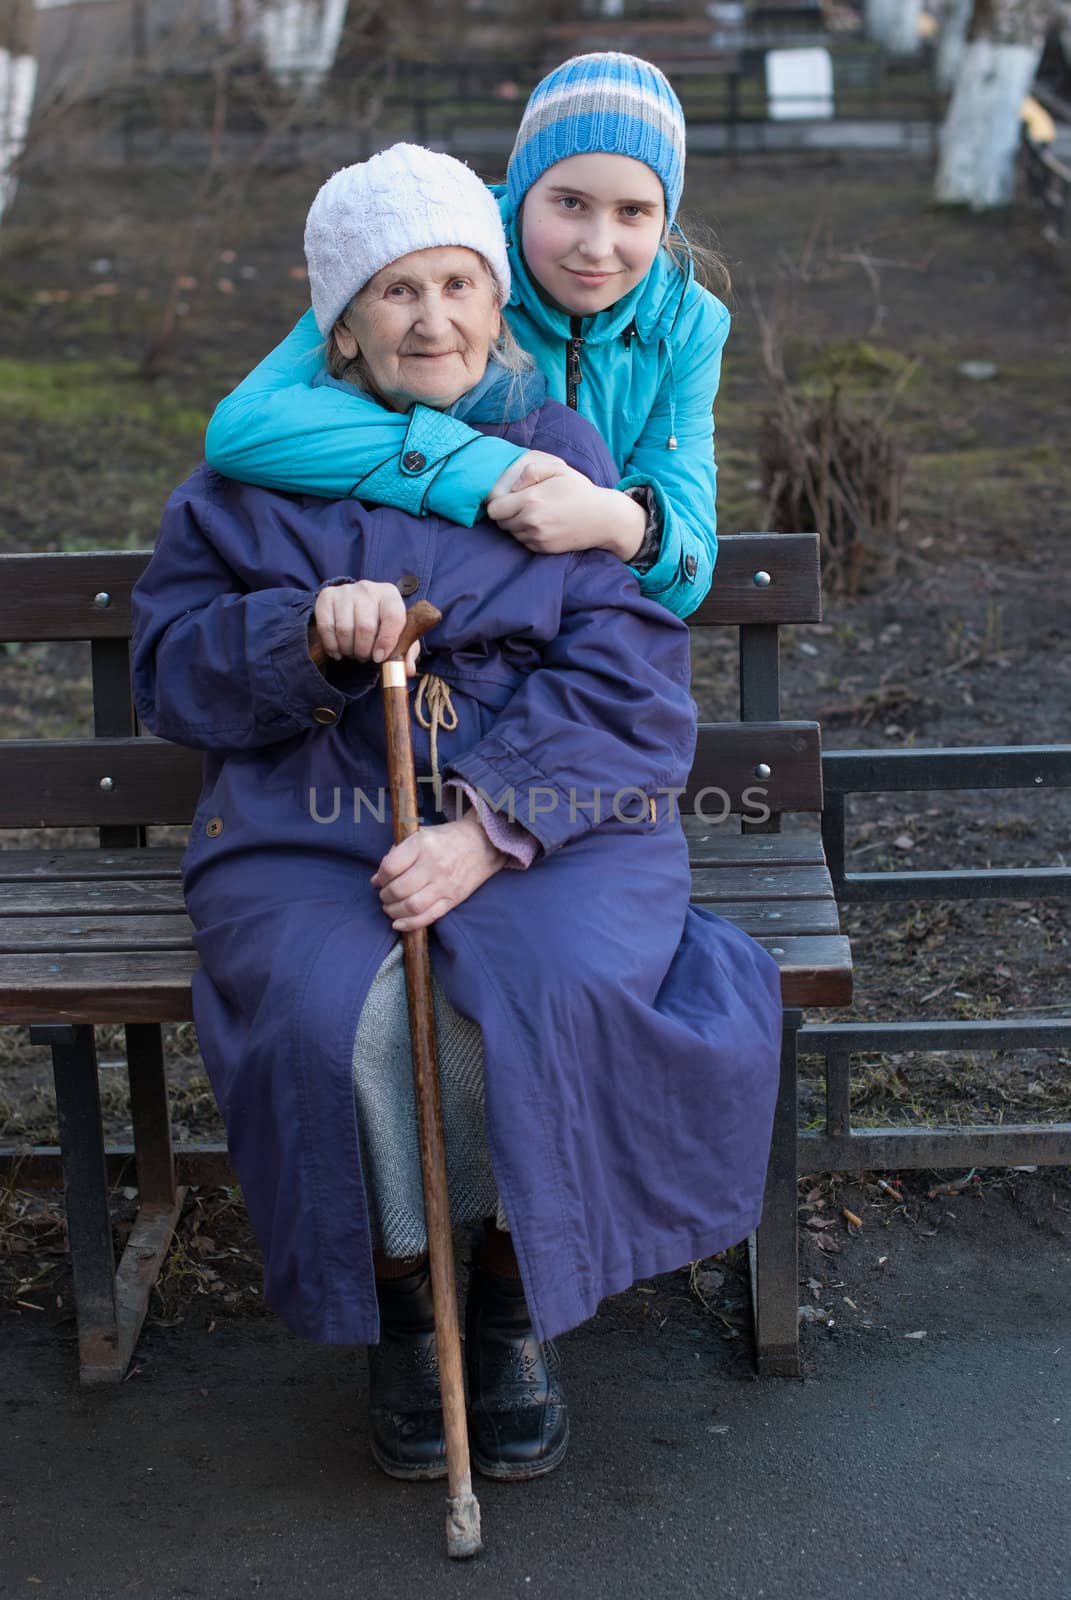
(233, 1463)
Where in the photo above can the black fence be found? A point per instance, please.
(472, 107)
(839, 1147)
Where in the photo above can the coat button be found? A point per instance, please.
(325, 714)
(214, 827)
(408, 583)
(414, 461)
(690, 565)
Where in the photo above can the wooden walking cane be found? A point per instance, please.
(462, 1506)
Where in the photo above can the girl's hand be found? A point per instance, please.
(362, 621)
(434, 870)
(561, 510)
(531, 468)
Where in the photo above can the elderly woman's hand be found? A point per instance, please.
(551, 508)
(362, 621)
(434, 870)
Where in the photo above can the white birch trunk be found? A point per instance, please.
(300, 38)
(952, 43)
(980, 136)
(1065, 30)
(18, 83)
(894, 24)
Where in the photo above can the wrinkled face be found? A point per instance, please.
(591, 227)
(424, 326)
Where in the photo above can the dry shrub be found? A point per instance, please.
(827, 471)
(839, 476)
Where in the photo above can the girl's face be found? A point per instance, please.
(424, 326)
(591, 227)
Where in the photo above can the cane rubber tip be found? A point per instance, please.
(463, 1527)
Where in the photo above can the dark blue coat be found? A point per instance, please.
(631, 1042)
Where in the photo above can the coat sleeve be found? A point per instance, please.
(684, 479)
(277, 431)
(218, 666)
(604, 724)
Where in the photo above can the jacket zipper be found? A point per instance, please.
(573, 373)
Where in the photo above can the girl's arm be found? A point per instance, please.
(551, 510)
(683, 480)
(277, 431)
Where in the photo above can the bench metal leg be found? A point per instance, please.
(85, 1188)
(110, 1303)
(150, 1113)
(772, 1248)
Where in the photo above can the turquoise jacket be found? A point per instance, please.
(645, 372)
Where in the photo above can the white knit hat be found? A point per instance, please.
(406, 198)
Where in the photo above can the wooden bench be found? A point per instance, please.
(100, 935)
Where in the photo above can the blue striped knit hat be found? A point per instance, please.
(605, 101)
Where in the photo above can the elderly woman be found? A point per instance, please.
(609, 1054)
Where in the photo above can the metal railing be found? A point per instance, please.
(472, 105)
(839, 1146)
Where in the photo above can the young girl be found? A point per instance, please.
(604, 298)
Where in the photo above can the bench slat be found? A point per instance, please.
(727, 754)
(794, 593)
(712, 846)
(56, 866)
(62, 902)
(118, 934)
(762, 918)
(708, 846)
(814, 972)
(53, 596)
(154, 985)
(171, 930)
(50, 784)
(47, 784)
(103, 896)
(762, 884)
(147, 986)
(90, 898)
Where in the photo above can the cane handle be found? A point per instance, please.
(419, 620)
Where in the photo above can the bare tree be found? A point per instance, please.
(218, 197)
(980, 137)
(894, 24)
(1064, 22)
(952, 42)
(300, 38)
(18, 82)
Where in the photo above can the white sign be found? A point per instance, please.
(799, 84)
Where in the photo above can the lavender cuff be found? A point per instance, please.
(512, 838)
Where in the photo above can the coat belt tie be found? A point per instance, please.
(434, 709)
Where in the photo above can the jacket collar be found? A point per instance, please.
(651, 308)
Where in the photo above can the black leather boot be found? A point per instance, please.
(518, 1417)
(404, 1399)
